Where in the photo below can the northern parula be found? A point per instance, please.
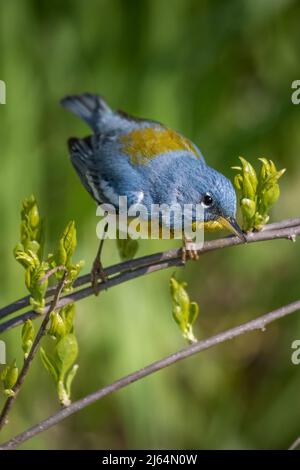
(147, 162)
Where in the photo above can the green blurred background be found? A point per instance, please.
(221, 73)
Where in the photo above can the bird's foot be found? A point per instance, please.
(97, 274)
(189, 251)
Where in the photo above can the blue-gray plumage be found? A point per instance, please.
(147, 162)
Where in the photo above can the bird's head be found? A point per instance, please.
(218, 199)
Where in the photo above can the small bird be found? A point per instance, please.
(148, 163)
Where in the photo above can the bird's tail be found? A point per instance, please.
(89, 107)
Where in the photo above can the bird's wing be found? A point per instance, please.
(104, 175)
(82, 157)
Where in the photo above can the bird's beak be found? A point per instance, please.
(231, 224)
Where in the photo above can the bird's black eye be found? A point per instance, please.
(207, 200)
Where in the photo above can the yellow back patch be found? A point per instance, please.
(144, 144)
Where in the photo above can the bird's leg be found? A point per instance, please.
(189, 250)
(98, 272)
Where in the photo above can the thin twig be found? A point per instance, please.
(34, 348)
(256, 324)
(143, 261)
(132, 264)
(287, 229)
(50, 273)
(88, 291)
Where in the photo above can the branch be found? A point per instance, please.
(123, 272)
(34, 348)
(256, 324)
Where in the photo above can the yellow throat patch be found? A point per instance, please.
(144, 144)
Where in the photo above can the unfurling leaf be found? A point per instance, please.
(29, 253)
(8, 378)
(57, 327)
(61, 323)
(65, 354)
(32, 233)
(73, 272)
(193, 312)
(60, 363)
(248, 207)
(67, 313)
(69, 379)
(60, 358)
(63, 256)
(66, 246)
(258, 193)
(27, 337)
(49, 364)
(184, 311)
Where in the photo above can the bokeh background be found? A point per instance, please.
(221, 73)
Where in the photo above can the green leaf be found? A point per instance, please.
(63, 257)
(184, 312)
(258, 194)
(65, 354)
(57, 327)
(193, 313)
(70, 378)
(61, 365)
(238, 168)
(11, 376)
(176, 311)
(3, 372)
(33, 278)
(49, 364)
(248, 208)
(67, 313)
(66, 245)
(269, 197)
(31, 233)
(28, 259)
(73, 272)
(180, 297)
(27, 336)
(238, 181)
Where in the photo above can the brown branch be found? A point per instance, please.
(259, 323)
(33, 350)
(123, 272)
